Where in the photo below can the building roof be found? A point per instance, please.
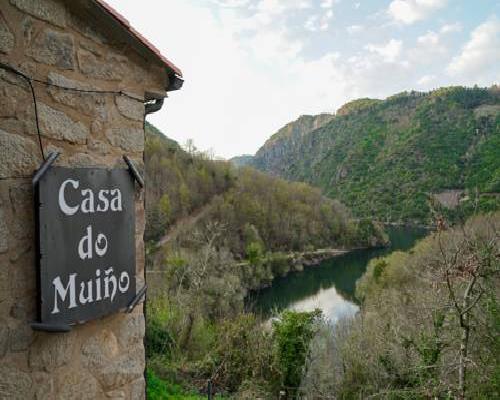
(145, 42)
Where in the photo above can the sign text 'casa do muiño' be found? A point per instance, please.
(86, 234)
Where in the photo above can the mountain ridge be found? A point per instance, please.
(386, 159)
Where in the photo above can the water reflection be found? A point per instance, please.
(333, 305)
(331, 285)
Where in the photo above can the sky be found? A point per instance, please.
(251, 66)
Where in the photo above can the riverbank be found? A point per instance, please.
(279, 265)
(330, 287)
(409, 225)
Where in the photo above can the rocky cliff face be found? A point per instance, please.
(382, 158)
(277, 153)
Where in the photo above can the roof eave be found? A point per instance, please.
(172, 69)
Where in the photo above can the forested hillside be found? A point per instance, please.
(429, 325)
(254, 209)
(214, 233)
(179, 182)
(402, 158)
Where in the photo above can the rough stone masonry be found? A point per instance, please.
(71, 44)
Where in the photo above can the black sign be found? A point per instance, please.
(86, 234)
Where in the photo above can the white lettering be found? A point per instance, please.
(62, 291)
(107, 280)
(101, 248)
(88, 202)
(65, 208)
(98, 285)
(104, 200)
(124, 276)
(116, 202)
(87, 238)
(82, 298)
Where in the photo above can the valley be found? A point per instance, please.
(276, 270)
(398, 159)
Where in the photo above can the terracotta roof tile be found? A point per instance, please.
(126, 24)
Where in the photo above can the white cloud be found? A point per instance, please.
(316, 23)
(426, 80)
(451, 28)
(280, 6)
(231, 3)
(388, 51)
(479, 57)
(357, 5)
(311, 23)
(354, 29)
(248, 71)
(429, 39)
(411, 11)
(326, 4)
(430, 50)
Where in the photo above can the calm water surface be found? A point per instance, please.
(329, 286)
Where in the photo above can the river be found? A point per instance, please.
(329, 286)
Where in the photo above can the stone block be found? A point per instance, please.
(129, 139)
(13, 100)
(12, 125)
(20, 337)
(99, 350)
(85, 160)
(23, 309)
(60, 80)
(27, 30)
(22, 279)
(53, 48)
(130, 330)
(127, 367)
(24, 155)
(77, 384)
(116, 395)
(4, 338)
(4, 233)
(109, 67)
(4, 282)
(12, 78)
(91, 104)
(96, 127)
(130, 108)
(7, 39)
(98, 146)
(57, 125)
(87, 28)
(21, 197)
(51, 350)
(23, 247)
(47, 10)
(44, 386)
(138, 389)
(14, 383)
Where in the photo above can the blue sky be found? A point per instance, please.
(251, 66)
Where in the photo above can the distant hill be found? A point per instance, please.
(194, 191)
(392, 159)
(178, 183)
(241, 161)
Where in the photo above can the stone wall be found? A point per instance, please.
(53, 41)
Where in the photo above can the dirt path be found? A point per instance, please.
(184, 223)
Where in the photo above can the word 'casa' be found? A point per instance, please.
(106, 200)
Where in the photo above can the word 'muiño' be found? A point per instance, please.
(105, 284)
(104, 288)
